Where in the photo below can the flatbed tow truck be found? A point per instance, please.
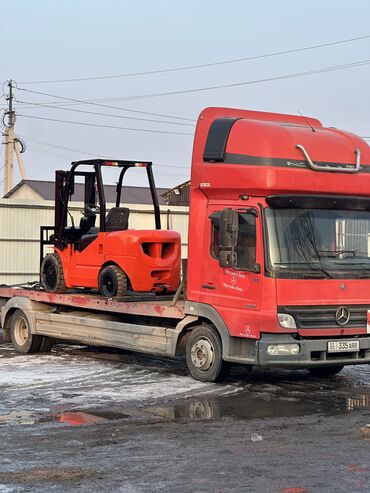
(278, 270)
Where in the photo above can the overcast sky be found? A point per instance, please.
(44, 40)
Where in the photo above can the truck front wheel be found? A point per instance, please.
(22, 338)
(204, 355)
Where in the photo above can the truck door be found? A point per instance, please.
(235, 292)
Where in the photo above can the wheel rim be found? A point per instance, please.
(109, 285)
(50, 274)
(201, 410)
(203, 354)
(21, 331)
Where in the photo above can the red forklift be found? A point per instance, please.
(102, 251)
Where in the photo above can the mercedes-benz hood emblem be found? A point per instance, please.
(342, 315)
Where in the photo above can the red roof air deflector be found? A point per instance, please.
(261, 156)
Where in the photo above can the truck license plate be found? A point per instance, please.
(343, 346)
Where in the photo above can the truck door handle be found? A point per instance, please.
(208, 286)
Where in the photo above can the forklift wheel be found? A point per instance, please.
(52, 277)
(112, 281)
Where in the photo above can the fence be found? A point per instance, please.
(20, 222)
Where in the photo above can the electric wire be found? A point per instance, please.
(94, 103)
(48, 153)
(146, 130)
(62, 156)
(91, 154)
(223, 86)
(250, 82)
(203, 65)
(106, 114)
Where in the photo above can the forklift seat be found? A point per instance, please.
(117, 219)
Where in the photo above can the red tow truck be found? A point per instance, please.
(278, 270)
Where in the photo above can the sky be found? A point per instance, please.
(46, 40)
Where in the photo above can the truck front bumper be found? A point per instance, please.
(312, 352)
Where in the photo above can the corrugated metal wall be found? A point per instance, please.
(20, 222)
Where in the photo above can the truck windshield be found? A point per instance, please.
(315, 243)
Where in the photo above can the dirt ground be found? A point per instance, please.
(82, 420)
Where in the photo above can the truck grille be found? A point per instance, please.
(324, 317)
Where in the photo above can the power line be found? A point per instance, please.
(203, 65)
(48, 153)
(223, 86)
(105, 114)
(53, 154)
(105, 126)
(91, 101)
(95, 103)
(250, 82)
(91, 154)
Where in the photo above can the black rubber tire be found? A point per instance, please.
(20, 333)
(46, 344)
(325, 371)
(215, 370)
(112, 282)
(51, 274)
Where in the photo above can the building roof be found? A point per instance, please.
(130, 195)
(179, 195)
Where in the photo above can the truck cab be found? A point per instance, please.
(280, 211)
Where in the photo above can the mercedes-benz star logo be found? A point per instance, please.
(342, 315)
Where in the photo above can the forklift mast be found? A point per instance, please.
(93, 188)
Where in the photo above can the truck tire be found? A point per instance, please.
(46, 344)
(20, 332)
(52, 276)
(204, 355)
(325, 371)
(112, 282)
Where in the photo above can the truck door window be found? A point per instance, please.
(245, 248)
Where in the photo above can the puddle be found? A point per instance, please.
(242, 406)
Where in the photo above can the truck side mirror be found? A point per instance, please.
(228, 238)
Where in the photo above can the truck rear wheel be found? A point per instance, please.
(52, 276)
(204, 355)
(20, 332)
(112, 282)
(325, 371)
(46, 344)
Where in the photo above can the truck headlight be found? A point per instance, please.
(283, 349)
(286, 321)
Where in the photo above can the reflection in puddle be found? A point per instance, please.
(241, 406)
(360, 402)
(83, 418)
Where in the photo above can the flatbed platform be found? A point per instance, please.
(146, 305)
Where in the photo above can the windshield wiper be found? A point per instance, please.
(321, 269)
(315, 267)
(336, 253)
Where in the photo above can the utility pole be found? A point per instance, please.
(11, 144)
